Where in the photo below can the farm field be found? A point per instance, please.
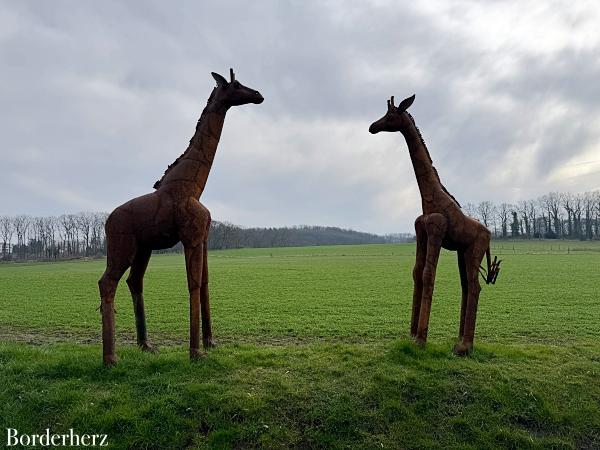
(313, 353)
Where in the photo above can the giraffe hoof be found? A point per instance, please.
(462, 349)
(110, 360)
(147, 347)
(196, 354)
(420, 341)
(209, 343)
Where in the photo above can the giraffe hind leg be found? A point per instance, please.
(473, 258)
(462, 269)
(135, 281)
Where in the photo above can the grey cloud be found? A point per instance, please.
(97, 98)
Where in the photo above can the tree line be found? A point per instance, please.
(552, 216)
(225, 235)
(45, 238)
(82, 235)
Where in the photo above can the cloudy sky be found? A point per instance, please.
(97, 98)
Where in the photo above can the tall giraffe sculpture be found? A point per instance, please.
(170, 214)
(442, 224)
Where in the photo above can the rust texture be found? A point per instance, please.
(170, 214)
(442, 224)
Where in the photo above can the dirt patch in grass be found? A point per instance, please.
(48, 336)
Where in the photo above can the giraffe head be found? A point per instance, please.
(395, 119)
(233, 93)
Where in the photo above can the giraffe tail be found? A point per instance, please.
(493, 268)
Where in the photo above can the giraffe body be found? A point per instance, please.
(442, 225)
(170, 214)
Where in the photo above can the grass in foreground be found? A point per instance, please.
(310, 396)
(310, 356)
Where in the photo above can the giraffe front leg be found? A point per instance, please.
(435, 225)
(421, 255)
(193, 262)
(207, 338)
(194, 221)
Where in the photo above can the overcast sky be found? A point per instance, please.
(97, 98)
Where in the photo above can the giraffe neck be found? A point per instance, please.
(430, 186)
(187, 176)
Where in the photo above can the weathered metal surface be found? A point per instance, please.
(443, 224)
(170, 214)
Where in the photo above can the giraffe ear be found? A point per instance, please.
(219, 79)
(404, 104)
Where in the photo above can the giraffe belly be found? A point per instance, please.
(157, 238)
(164, 243)
(449, 244)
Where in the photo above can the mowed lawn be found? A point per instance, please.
(313, 353)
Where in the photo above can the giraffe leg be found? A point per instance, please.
(418, 273)
(194, 262)
(193, 223)
(207, 339)
(462, 269)
(118, 261)
(473, 258)
(135, 281)
(435, 225)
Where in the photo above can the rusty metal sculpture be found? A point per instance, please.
(162, 218)
(442, 224)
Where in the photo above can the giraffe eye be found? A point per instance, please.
(236, 84)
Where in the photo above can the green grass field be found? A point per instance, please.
(313, 353)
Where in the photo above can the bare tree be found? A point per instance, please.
(484, 209)
(471, 210)
(503, 211)
(544, 227)
(552, 203)
(567, 200)
(67, 223)
(578, 203)
(39, 242)
(6, 232)
(522, 208)
(21, 224)
(50, 225)
(588, 210)
(531, 208)
(596, 210)
(83, 223)
(98, 238)
(515, 225)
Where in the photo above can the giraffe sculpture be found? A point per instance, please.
(442, 224)
(170, 214)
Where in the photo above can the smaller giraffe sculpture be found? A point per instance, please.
(170, 214)
(442, 224)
